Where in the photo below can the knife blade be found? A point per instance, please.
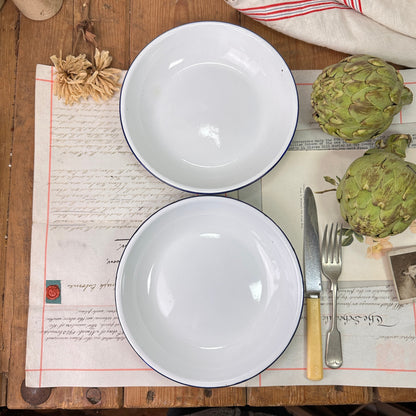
(313, 287)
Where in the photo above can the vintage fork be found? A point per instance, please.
(331, 252)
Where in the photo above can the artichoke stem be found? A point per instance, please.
(396, 143)
(407, 96)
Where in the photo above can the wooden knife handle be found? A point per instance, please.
(314, 368)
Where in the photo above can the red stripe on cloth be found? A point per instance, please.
(298, 14)
(287, 3)
(288, 6)
(293, 9)
(270, 5)
(354, 4)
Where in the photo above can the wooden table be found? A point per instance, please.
(123, 27)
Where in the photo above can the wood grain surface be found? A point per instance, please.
(8, 40)
(123, 27)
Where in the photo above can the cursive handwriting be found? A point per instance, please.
(88, 131)
(380, 297)
(83, 325)
(106, 198)
(95, 181)
(90, 287)
(367, 319)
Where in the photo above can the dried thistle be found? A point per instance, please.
(103, 81)
(70, 78)
(76, 77)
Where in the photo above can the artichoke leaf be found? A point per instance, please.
(381, 75)
(378, 98)
(364, 200)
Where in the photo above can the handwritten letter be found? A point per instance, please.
(91, 194)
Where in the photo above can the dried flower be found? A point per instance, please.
(103, 81)
(70, 78)
(76, 77)
(377, 247)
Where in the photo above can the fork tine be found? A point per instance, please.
(331, 249)
(331, 244)
(335, 257)
(324, 246)
(339, 256)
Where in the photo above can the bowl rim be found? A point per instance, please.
(201, 383)
(197, 189)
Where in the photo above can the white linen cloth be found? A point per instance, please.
(381, 28)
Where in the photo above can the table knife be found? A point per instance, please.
(313, 287)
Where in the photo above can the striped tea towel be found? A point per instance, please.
(382, 28)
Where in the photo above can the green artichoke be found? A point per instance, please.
(357, 98)
(377, 194)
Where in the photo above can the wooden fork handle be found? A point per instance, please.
(314, 367)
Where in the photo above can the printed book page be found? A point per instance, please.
(91, 194)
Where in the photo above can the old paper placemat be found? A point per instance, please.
(90, 194)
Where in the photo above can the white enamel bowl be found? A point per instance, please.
(208, 107)
(209, 291)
